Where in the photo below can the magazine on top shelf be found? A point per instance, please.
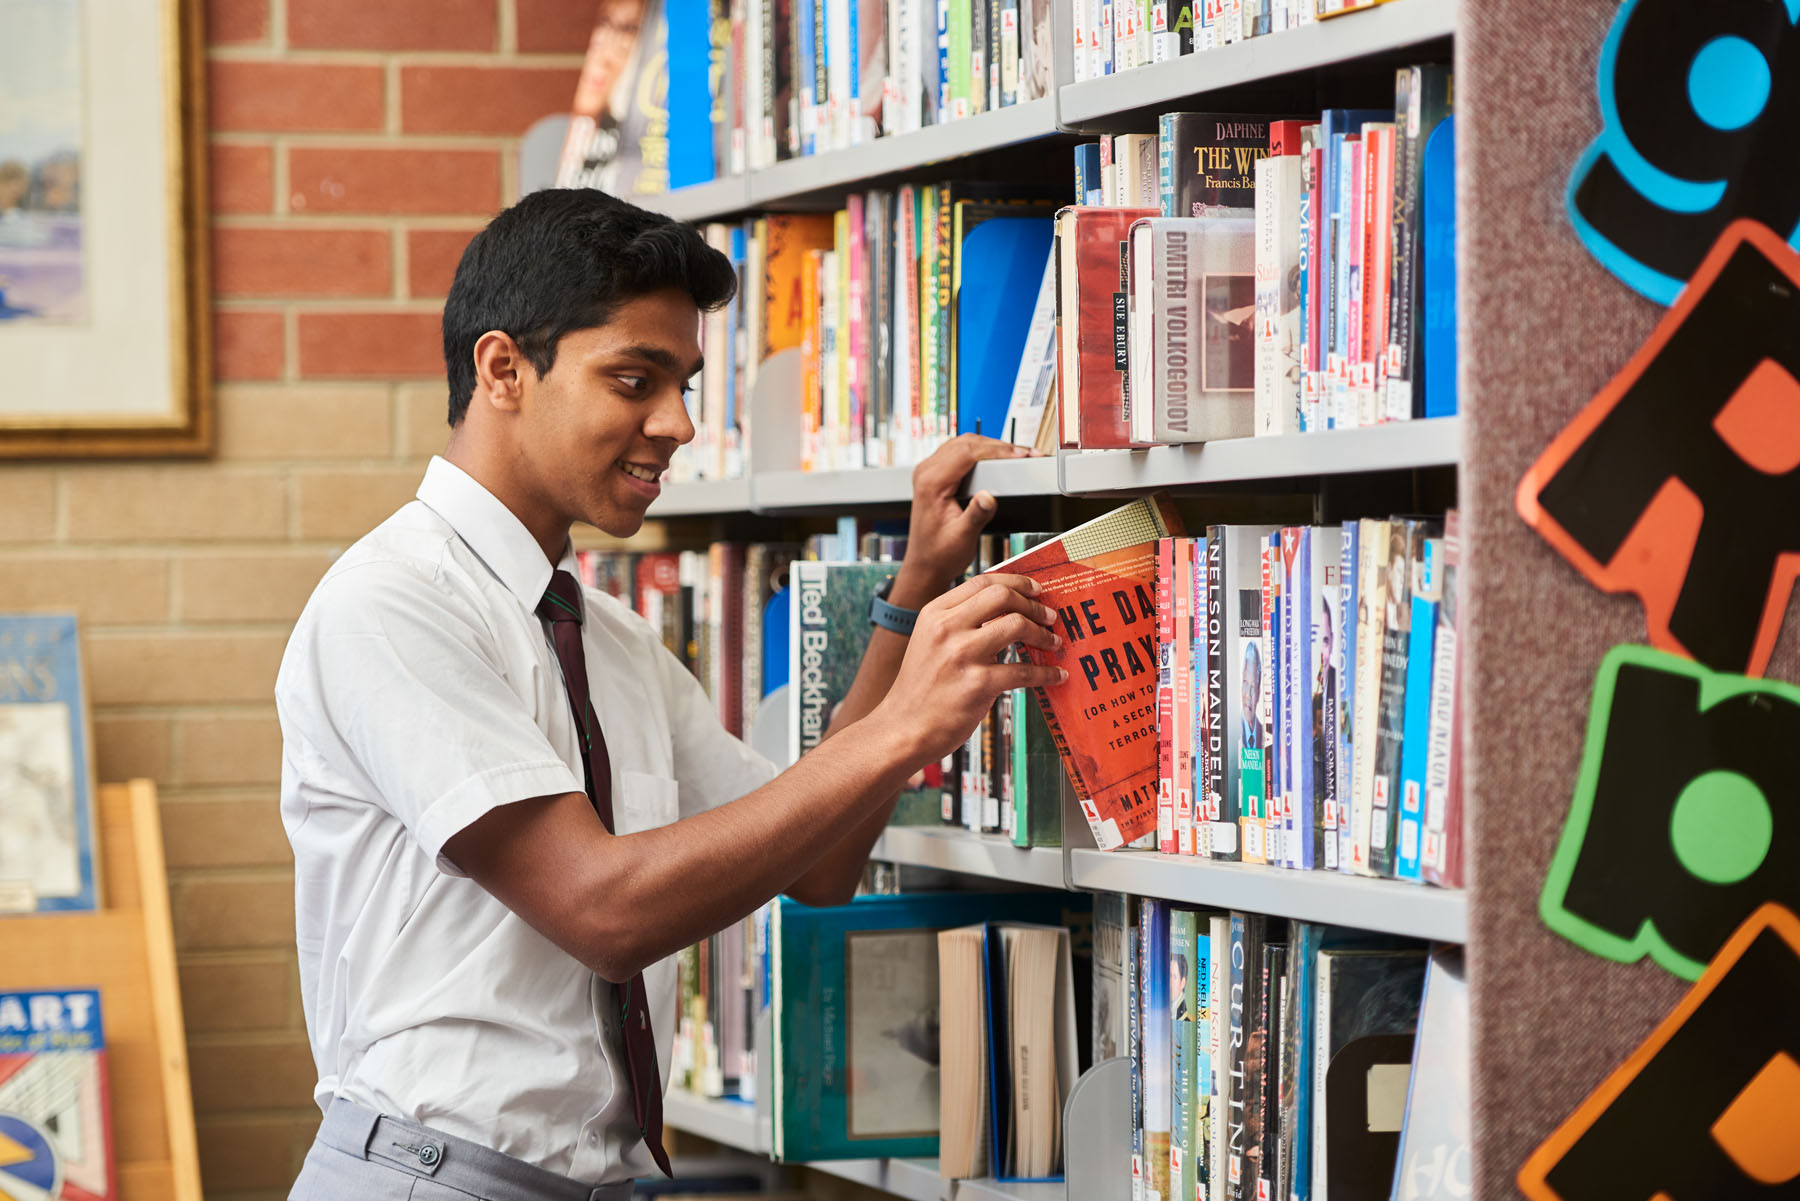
(47, 803)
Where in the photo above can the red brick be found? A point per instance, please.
(431, 258)
(295, 97)
(498, 100)
(391, 24)
(370, 345)
(234, 22)
(343, 180)
(555, 26)
(302, 262)
(248, 345)
(241, 178)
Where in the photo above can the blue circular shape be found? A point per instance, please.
(1728, 85)
(30, 1159)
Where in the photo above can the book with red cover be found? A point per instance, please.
(1101, 579)
(1093, 385)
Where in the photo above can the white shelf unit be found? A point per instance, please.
(952, 850)
(1116, 101)
(1101, 103)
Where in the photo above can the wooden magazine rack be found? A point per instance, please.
(127, 951)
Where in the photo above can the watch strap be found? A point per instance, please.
(892, 617)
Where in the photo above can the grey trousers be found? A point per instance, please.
(361, 1155)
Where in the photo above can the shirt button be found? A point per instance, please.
(429, 1155)
(593, 1139)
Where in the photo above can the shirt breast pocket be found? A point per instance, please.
(645, 802)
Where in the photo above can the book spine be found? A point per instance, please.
(1182, 748)
(1448, 869)
(1318, 275)
(1221, 757)
(1078, 42)
(818, 129)
(1268, 413)
(1165, 164)
(1134, 1040)
(1395, 561)
(945, 415)
(1325, 552)
(1184, 1000)
(1153, 932)
(1357, 158)
(1197, 734)
(811, 351)
(1218, 1112)
(1246, 956)
(1372, 595)
(1348, 626)
(1166, 738)
(1381, 280)
(1010, 49)
(1415, 740)
(856, 382)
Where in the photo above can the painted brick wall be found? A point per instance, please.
(356, 145)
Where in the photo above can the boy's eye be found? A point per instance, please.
(635, 383)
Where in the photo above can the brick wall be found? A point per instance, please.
(356, 145)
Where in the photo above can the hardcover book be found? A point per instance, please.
(1442, 849)
(1363, 1025)
(1239, 831)
(856, 996)
(47, 818)
(829, 631)
(1092, 379)
(1421, 101)
(1194, 280)
(1156, 1007)
(1100, 577)
(55, 1113)
(1209, 161)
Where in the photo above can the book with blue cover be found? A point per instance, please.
(1001, 250)
(55, 1116)
(1153, 1033)
(47, 819)
(855, 1021)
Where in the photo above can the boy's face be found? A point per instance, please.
(601, 426)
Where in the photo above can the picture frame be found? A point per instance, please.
(104, 284)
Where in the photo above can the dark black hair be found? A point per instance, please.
(565, 259)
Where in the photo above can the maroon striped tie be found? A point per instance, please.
(562, 607)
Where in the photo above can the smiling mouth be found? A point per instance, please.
(648, 474)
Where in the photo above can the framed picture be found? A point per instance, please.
(103, 283)
(46, 769)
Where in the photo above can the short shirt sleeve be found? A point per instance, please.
(395, 681)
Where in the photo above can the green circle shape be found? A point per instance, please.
(1722, 827)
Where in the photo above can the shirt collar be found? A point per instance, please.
(491, 530)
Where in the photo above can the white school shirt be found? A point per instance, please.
(419, 691)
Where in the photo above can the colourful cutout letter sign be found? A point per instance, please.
(1686, 815)
(1699, 110)
(1678, 481)
(1707, 1108)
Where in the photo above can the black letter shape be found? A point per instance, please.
(1653, 424)
(1751, 168)
(1740, 1017)
(1657, 739)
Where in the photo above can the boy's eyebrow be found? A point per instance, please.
(662, 358)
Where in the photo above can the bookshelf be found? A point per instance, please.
(1294, 69)
(1405, 446)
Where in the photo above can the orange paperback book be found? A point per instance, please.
(1101, 579)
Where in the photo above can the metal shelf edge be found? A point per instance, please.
(732, 1123)
(1398, 446)
(1413, 910)
(989, 855)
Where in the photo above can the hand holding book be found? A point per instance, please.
(950, 676)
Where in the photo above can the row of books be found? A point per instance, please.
(1293, 276)
(791, 78)
(1282, 1059)
(1307, 697)
(1111, 36)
